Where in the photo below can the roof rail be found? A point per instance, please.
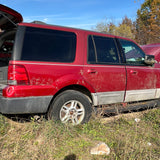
(38, 22)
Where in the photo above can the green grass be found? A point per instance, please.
(50, 140)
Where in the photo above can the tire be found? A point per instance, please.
(70, 107)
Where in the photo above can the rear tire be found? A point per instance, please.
(70, 107)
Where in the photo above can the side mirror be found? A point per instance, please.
(149, 59)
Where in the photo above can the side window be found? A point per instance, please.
(48, 45)
(134, 55)
(102, 50)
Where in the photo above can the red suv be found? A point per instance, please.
(64, 72)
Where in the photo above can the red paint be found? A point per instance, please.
(107, 77)
(141, 77)
(27, 91)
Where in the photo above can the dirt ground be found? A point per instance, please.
(132, 115)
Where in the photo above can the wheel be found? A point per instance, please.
(70, 107)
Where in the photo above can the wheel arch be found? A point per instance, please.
(75, 87)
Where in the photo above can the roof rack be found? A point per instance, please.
(38, 22)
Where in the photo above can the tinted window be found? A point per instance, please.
(133, 54)
(102, 50)
(91, 51)
(48, 45)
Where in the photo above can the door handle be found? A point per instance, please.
(91, 71)
(133, 72)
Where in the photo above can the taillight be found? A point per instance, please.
(17, 75)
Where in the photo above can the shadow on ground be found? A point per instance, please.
(70, 157)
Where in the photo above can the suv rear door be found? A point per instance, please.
(103, 70)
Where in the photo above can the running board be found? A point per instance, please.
(124, 107)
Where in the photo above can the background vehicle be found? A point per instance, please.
(152, 49)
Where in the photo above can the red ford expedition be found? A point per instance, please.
(64, 72)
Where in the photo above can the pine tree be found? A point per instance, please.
(148, 22)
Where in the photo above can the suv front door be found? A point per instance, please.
(141, 78)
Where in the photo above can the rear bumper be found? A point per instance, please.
(23, 105)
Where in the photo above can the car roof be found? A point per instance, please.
(70, 29)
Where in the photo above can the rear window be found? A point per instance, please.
(48, 45)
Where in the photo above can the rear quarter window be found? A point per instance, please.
(48, 45)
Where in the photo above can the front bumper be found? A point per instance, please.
(22, 105)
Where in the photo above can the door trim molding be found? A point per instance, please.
(101, 98)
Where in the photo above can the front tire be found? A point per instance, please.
(70, 107)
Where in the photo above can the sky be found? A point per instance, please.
(84, 14)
